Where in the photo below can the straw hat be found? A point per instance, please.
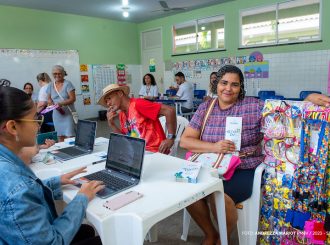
(112, 88)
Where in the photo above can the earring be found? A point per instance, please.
(16, 138)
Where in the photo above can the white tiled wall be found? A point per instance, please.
(290, 73)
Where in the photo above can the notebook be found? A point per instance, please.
(84, 142)
(123, 165)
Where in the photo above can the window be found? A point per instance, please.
(288, 22)
(199, 35)
(185, 38)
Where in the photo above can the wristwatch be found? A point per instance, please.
(171, 136)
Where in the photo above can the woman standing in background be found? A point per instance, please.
(149, 89)
(28, 88)
(62, 92)
(213, 83)
(43, 81)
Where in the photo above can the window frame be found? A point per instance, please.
(277, 43)
(196, 21)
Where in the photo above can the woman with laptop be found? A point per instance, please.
(28, 214)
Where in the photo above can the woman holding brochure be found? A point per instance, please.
(28, 214)
(231, 102)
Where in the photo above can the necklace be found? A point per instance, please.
(148, 89)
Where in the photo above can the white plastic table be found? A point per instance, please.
(44, 171)
(162, 198)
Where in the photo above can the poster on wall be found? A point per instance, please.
(256, 56)
(103, 75)
(85, 88)
(84, 78)
(83, 68)
(121, 74)
(152, 65)
(240, 60)
(256, 69)
(87, 99)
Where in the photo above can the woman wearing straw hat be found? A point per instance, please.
(139, 118)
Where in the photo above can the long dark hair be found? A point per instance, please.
(230, 69)
(14, 103)
(153, 81)
(213, 84)
(28, 84)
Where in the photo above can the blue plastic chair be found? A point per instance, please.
(277, 97)
(199, 93)
(170, 92)
(304, 94)
(266, 94)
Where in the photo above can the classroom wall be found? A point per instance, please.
(99, 41)
(231, 11)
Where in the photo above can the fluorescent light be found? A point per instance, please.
(125, 2)
(203, 28)
(125, 14)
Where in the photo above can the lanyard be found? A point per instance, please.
(309, 190)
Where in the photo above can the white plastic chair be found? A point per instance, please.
(179, 112)
(248, 216)
(181, 125)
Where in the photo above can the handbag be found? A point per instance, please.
(221, 165)
(74, 114)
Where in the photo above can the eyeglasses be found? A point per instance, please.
(39, 119)
(57, 74)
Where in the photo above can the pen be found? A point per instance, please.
(98, 161)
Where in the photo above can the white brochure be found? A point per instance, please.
(234, 131)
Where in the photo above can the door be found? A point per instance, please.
(152, 56)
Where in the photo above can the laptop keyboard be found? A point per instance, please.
(109, 180)
(72, 151)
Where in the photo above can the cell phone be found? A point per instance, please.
(41, 138)
(122, 200)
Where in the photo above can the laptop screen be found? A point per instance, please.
(85, 137)
(125, 154)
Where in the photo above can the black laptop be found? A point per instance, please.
(123, 165)
(84, 142)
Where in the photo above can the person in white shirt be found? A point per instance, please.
(149, 89)
(43, 81)
(185, 92)
(213, 79)
(28, 88)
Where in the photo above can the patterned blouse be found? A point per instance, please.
(250, 110)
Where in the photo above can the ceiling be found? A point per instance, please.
(139, 10)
